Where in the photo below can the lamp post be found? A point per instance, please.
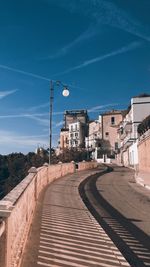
(65, 93)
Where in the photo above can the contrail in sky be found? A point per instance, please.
(6, 93)
(122, 50)
(100, 12)
(35, 76)
(24, 72)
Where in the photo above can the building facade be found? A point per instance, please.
(64, 139)
(94, 135)
(128, 135)
(77, 133)
(110, 123)
(72, 116)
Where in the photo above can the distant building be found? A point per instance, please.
(110, 123)
(75, 129)
(72, 116)
(94, 136)
(77, 133)
(64, 139)
(41, 151)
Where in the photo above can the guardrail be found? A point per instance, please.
(17, 209)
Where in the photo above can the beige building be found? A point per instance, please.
(110, 123)
(72, 116)
(64, 139)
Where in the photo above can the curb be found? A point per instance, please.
(140, 181)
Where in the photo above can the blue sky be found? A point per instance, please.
(100, 48)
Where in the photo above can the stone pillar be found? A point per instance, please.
(5, 213)
(34, 171)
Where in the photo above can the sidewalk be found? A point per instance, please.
(65, 234)
(143, 178)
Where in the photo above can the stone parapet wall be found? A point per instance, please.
(87, 165)
(17, 209)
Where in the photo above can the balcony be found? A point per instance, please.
(128, 126)
(128, 140)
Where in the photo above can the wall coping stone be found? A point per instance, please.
(46, 164)
(4, 204)
(17, 191)
(32, 170)
(144, 137)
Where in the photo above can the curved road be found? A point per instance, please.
(65, 234)
(123, 209)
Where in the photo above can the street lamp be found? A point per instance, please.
(65, 93)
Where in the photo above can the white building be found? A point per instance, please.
(77, 132)
(95, 134)
(138, 110)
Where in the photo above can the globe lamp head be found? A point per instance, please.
(65, 92)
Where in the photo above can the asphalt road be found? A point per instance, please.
(123, 209)
(132, 200)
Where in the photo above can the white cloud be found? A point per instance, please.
(30, 116)
(101, 107)
(44, 105)
(39, 117)
(6, 93)
(41, 121)
(60, 123)
(10, 138)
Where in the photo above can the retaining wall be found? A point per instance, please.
(87, 165)
(143, 171)
(17, 209)
(144, 152)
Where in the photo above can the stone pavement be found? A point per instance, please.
(66, 234)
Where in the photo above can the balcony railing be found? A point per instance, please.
(128, 126)
(128, 140)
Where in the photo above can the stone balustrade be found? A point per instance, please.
(17, 208)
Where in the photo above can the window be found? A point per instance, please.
(112, 120)
(116, 145)
(66, 140)
(71, 127)
(76, 134)
(107, 134)
(71, 135)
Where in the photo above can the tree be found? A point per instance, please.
(14, 168)
(72, 154)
